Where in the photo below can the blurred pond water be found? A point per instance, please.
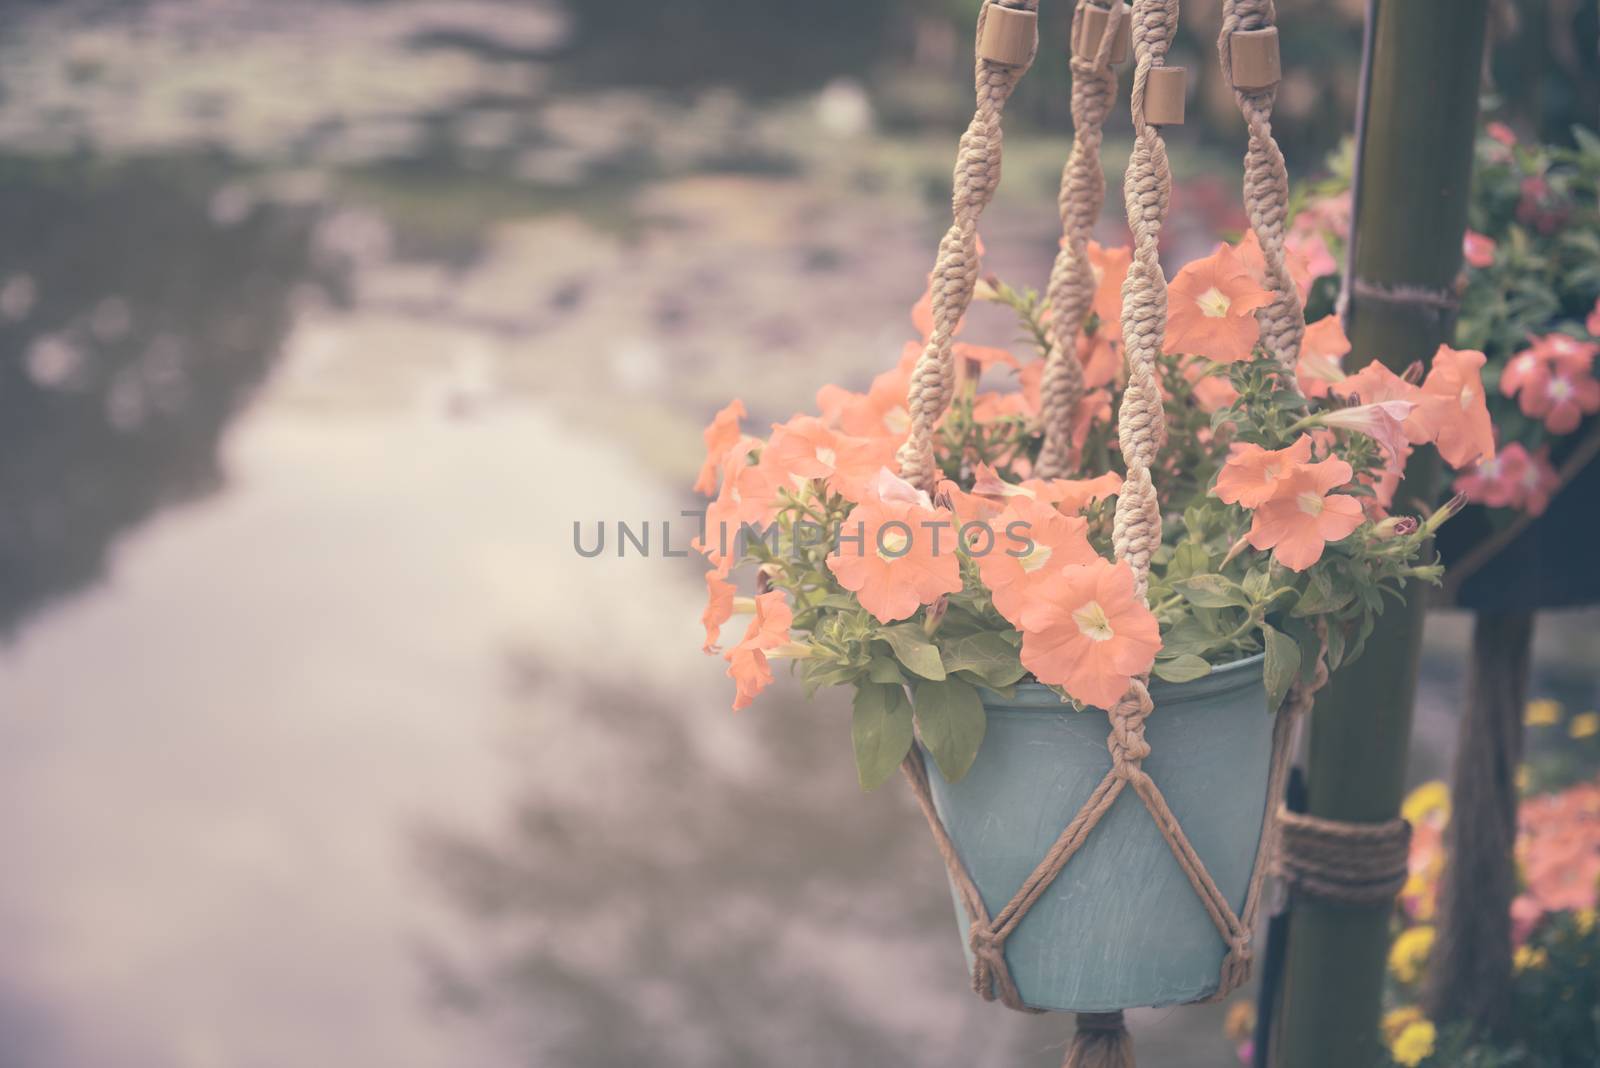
(322, 323)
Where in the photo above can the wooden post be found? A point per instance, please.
(1416, 165)
(1469, 975)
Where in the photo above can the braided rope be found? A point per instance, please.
(1072, 283)
(955, 270)
(1147, 189)
(1266, 189)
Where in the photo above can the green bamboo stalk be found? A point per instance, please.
(1415, 169)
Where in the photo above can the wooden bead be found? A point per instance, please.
(1255, 58)
(1009, 36)
(1164, 96)
(1092, 26)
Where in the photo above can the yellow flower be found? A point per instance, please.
(1522, 778)
(1410, 952)
(1528, 957)
(1585, 726)
(1542, 712)
(1240, 1023)
(1414, 1045)
(1396, 1021)
(1427, 801)
(1585, 921)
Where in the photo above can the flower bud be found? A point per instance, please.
(935, 616)
(1398, 526)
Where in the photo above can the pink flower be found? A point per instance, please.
(720, 437)
(1592, 324)
(1502, 133)
(1382, 421)
(1512, 478)
(1553, 380)
(1452, 411)
(747, 661)
(1304, 515)
(1477, 249)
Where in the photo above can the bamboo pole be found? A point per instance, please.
(1419, 115)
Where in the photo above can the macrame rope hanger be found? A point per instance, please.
(1007, 41)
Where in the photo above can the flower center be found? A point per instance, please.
(892, 545)
(1213, 303)
(827, 456)
(1560, 389)
(1037, 558)
(1310, 503)
(1468, 395)
(1092, 622)
(897, 421)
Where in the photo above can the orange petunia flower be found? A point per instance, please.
(1322, 349)
(895, 556)
(1452, 411)
(747, 661)
(748, 498)
(720, 438)
(804, 448)
(1255, 261)
(1211, 308)
(1087, 630)
(1029, 541)
(719, 609)
(1299, 521)
(881, 411)
(1251, 475)
(1110, 267)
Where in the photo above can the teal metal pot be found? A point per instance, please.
(1120, 927)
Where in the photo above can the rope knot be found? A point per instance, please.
(988, 958)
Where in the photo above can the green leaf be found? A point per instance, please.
(1335, 646)
(987, 655)
(884, 670)
(912, 648)
(1189, 558)
(1320, 597)
(1184, 668)
(880, 731)
(1283, 664)
(1212, 591)
(951, 721)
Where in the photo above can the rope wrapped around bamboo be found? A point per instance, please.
(1072, 282)
(1343, 863)
(955, 271)
(1266, 188)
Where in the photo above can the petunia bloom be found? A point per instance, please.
(1553, 380)
(719, 609)
(1453, 412)
(1251, 475)
(1477, 249)
(1022, 547)
(1088, 631)
(747, 661)
(720, 438)
(895, 556)
(1512, 478)
(805, 448)
(1294, 259)
(1382, 421)
(1211, 307)
(1110, 267)
(1325, 344)
(1304, 516)
(748, 499)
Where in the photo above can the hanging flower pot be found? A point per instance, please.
(1122, 926)
(1081, 611)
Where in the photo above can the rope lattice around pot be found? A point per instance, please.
(1266, 178)
(1344, 863)
(955, 271)
(1072, 282)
